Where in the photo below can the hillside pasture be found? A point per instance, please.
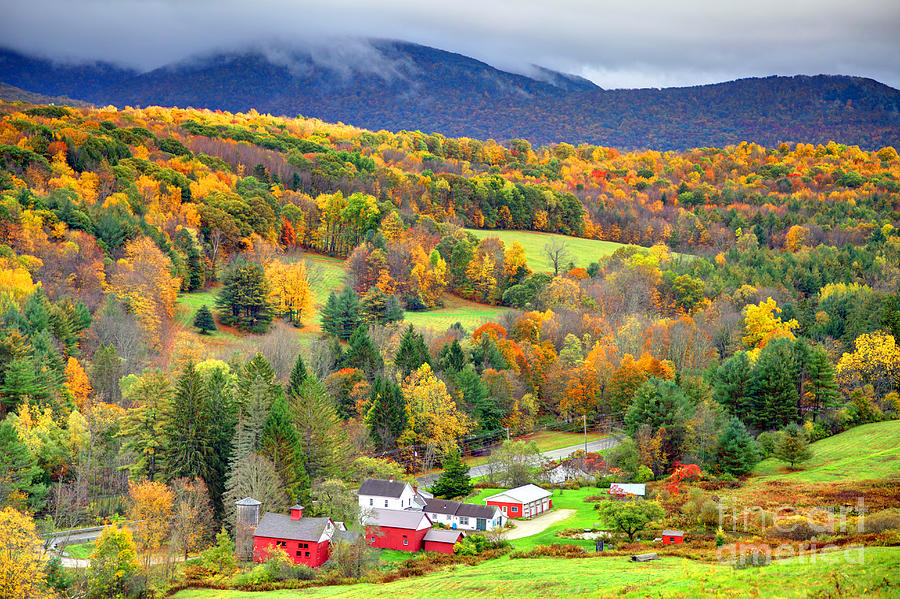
(870, 451)
(837, 574)
(581, 251)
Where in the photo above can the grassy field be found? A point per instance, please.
(582, 251)
(871, 451)
(829, 575)
(470, 314)
(585, 516)
(80, 551)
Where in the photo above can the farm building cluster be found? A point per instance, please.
(395, 514)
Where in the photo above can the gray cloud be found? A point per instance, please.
(656, 43)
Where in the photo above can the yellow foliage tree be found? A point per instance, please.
(289, 289)
(875, 362)
(761, 325)
(514, 259)
(434, 418)
(77, 383)
(21, 567)
(150, 507)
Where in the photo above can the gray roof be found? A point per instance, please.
(351, 536)
(382, 488)
(280, 526)
(248, 501)
(443, 536)
(673, 533)
(457, 508)
(396, 519)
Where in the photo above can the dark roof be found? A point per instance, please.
(673, 533)
(280, 526)
(443, 536)
(396, 518)
(457, 508)
(382, 488)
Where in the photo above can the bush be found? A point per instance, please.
(882, 521)
(644, 474)
(476, 544)
(554, 550)
(689, 508)
(796, 528)
(766, 443)
(709, 514)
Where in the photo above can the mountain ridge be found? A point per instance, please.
(400, 85)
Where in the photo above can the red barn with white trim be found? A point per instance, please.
(305, 540)
(526, 501)
(403, 530)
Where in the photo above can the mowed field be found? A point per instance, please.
(870, 451)
(838, 574)
(327, 274)
(581, 251)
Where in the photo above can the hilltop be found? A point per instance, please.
(403, 86)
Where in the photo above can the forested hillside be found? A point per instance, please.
(758, 292)
(396, 86)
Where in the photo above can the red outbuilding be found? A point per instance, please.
(672, 537)
(305, 540)
(403, 530)
(442, 541)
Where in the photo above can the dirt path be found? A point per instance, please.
(526, 528)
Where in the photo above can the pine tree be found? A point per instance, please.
(452, 358)
(189, 441)
(454, 480)
(387, 417)
(19, 470)
(791, 446)
(348, 318)
(322, 435)
(412, 352)
(281, 444)
(737, 453)
(146, 425)
(330, 315)
(221, 435)
(256, 393)
(774, 386)
(204, 320)
(244, 299)
(821, 390)
(298, 375)
(362, 354)
(732, 385)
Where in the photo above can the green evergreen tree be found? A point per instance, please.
(821, 392)
(349, 317)
(19, 470)
(454, 481)
(737, 453)
(373, 306)
(791, 446)
(452, 358)
(393, 310)
(189, 438)
(256, 391)
(330, 315)
(244, 299)
(773, 386)
(298, 375)
(146, 425)
(221, 435)
(204, 320)
(281, 444)
(362, 354)
(412, 352)
(732, 386)
(387, 417)
(657, 403)
(322, 435)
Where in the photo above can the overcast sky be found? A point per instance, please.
(630, 43)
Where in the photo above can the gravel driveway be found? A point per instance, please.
(526, 528)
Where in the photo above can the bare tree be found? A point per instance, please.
(557, 251)
(192, 523)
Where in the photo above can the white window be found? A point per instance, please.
(371, 501)
(385, 502)
(503, 508)
(463, 520)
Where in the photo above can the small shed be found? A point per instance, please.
(672, 537)
(441, 541)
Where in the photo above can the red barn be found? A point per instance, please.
(672, 537)
(304, 539)
(526, 501)
(442, 541)
(403, 530)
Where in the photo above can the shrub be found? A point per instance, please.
(795, 528)
(554, 550)
(709, 514)
(766, 443)
(689, 508)
(882, 521)
(644, 474)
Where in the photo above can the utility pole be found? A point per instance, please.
(507, 433)
(585, 433)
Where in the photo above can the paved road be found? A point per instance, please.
(554, 454)
(72, 537)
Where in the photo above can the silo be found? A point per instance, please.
(245, 526)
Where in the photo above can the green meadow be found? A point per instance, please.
(581, 251)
